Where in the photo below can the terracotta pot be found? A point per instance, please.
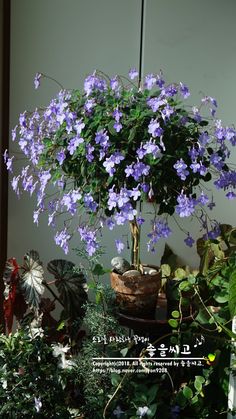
(136, 295)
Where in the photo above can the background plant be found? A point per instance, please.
(31, 382)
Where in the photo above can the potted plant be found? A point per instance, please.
(111, 147)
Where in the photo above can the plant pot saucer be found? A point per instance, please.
(159, 322)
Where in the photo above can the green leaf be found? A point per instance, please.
(165, 270)
(185, 286)
(175, 314)
(111, 128)
(222, 296)
(32, 279)
(152, 394)
(200, 378)
(232, 294)
(152, 409)
(61, 325)
(187, 392)
(180, 273)
(173, 323)
(198, 384)
(98, 297)
(115, 379)
(203, 316)
(99, 270)
(71, 286)
(132, 134)
(124, 351)
(194, 399)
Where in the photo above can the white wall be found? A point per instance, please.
(194, 42)
(190, 41)
(65, 39)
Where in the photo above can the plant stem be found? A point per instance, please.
(135, 244)
(52, 292)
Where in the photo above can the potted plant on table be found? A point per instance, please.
(113, 146)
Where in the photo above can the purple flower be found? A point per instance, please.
(110, 223)
(203, 199)
(118, 412)
(230, 195)
(160, 229)
(151, 148)
(154, 128)
(15, 183)
(70, 199)
(61, 239)
(145, 187)
(180, 167)
(126, 213)
(226, 180)
(209, 100)
(73, 144)
(155, 103)
(44, 177)
(5, 156)
(189, 241)
(37, 404)
(140, 169)
(110, 162)
(61, 156)
(93, 82)
(140, 220)
(13, 133)
(119, 246)
(169, 91)
(216, 161)
(89, 153)
(9, 164)
(204, 138)
(184, 90)
(89, 236)
(196, 114)
(36, 216)
(117, 114)
(133, 73)
(214, 233)
(160, 81)
(114, 83)
(195, 166)
(193, 153)
(117, 126)
(102, 139)
(186, 206)
(90, 203)
(37, 79)
(135, 193)
(79, 126)
(167, 111)
(89, 105)
(150, 81)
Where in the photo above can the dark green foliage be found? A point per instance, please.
(28, 371)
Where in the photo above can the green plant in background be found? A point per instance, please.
(184, 393)
(25, 285)
(32, 385)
